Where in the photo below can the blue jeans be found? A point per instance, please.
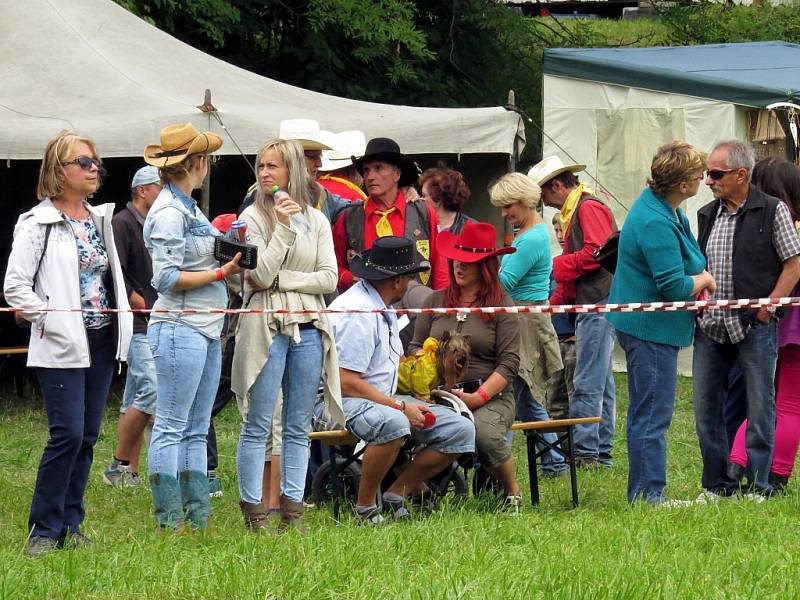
(74, 400)
(757, 355)
(652, 375)
(297, 368)
(595, 391)
(140, 382)
(530, 409)
(187, 371)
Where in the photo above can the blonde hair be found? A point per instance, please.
(57, 152)
(178, 171)
(673, 164)
(515, 187)
(299, 187)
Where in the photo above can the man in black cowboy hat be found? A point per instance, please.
(386, 212)
(369, 350)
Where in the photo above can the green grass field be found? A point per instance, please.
(604, 549)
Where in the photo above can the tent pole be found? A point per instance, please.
(508, 230)
(205, 195)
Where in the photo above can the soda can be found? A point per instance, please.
(238, 231)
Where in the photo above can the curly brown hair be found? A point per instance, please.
(447, 187)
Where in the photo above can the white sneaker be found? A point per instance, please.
(706, 498)
(757, 498)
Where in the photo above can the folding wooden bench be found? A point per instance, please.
(330, 483)
(534, 435)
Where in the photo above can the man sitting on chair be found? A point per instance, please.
(369, 352)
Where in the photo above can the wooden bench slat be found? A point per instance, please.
(554, 425)
(334, 438)
(15, 350)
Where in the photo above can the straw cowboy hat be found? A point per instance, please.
(346, 145)
(475, 242)
(388, 151)
(546, 169)
(179, 142)
(307, 132)
(389, 257)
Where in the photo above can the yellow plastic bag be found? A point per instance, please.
(417, 375)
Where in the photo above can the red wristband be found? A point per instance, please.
(399, 405)
(219, 273)
(482, 393)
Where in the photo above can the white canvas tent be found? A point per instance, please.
(611, 108)
(92, 66)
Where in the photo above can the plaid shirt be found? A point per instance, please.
(725, 326)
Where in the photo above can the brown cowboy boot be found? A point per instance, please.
(290, 515)
(255, 517)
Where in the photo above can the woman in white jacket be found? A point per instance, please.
(63, 257)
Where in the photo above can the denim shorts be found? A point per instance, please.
(140, 382)
(378, 424)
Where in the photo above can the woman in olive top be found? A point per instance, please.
(659, 260)
(494, 344)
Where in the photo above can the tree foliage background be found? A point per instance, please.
(434, 52)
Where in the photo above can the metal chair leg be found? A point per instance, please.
(530, 440)
(573, 475)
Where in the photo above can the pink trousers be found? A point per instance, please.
(787, 410)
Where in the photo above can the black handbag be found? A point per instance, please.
(606, 255)
(226, 249)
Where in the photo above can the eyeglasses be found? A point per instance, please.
(717, 174)
(84, 162)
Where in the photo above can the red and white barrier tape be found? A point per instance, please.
(694, 305)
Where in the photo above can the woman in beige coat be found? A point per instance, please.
(288, 352)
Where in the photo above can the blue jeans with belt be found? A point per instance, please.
(595, 392)
(74, 400)
(652, 376)
(295, 367)
(187, 373)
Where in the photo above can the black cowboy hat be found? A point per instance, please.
(389, 257)
(388, 151)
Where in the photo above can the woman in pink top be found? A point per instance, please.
(780, 178)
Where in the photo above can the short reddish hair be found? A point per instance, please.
(447, 187)
(490, 294)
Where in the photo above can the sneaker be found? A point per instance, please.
(119, 475)
(214, 485)
(74, 539)
(587, 462)
(512, 504)
(39, 545)
(372, 517)
(754, 497)
(396, 508)
(778, 482)
(706, 498)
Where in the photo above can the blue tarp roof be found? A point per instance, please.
(752, 74)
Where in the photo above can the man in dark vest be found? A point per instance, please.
(586, 223)
(387, 212)
(752, 250)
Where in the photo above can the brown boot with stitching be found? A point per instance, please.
(290, 515)
(255, 517)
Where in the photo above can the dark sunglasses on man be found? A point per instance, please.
(717, 174)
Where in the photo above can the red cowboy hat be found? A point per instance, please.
(475, 242)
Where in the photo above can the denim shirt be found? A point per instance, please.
(179, 238)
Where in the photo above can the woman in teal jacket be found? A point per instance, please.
(659, 260)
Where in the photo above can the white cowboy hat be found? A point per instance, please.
(346, 144)
(307, 132)
(546, 169)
